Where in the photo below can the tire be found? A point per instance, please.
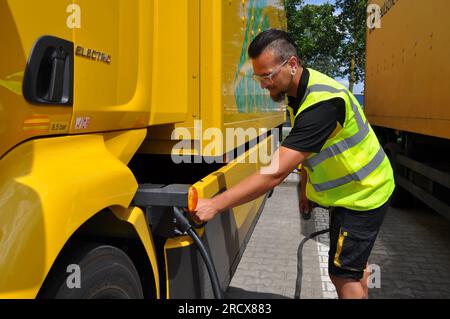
(105, 272)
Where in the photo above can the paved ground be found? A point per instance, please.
(413, 251)
(411, 257)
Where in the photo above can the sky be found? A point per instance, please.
(319, 1)
(359, 88)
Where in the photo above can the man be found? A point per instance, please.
(347, 168)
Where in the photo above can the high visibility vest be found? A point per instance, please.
(352, 169)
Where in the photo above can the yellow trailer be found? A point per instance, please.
(407, 98)
(102, 99)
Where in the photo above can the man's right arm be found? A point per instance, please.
(284, 161)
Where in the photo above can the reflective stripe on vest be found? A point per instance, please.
(345, 144)
(358, 176)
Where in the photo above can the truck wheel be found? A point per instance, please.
(400, 198)
(94, 271)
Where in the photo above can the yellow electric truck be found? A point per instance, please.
(102, 101)
(407, 96)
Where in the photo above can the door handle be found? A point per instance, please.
(48, 78)
(55, 90)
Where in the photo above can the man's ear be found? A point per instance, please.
(294, 63)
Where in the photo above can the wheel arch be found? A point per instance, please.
(49, 188)
(116, 227)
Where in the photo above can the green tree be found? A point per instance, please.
(291, 8)
(331, 38)
(314, 29)
(352, 53)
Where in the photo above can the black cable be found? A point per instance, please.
(298, 286)
(184, 226)
(218, 294)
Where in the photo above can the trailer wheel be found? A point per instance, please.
(104, 272)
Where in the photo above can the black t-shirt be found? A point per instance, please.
(313, 126)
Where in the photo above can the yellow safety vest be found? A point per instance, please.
(351, 170)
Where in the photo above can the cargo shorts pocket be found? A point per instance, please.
(353, 249)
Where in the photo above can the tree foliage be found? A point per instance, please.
(352, 22)
(315, 32)
(331, 38)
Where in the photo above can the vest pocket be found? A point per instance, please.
(353, 249)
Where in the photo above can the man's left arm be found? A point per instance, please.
(284, 161)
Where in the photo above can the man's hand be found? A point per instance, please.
(306, 207)
(205, 211)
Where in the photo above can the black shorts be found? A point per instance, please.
(352, 237)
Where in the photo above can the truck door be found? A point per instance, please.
(35, 70)
(112, 65)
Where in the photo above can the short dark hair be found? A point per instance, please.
(277, 40)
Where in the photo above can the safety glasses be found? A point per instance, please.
(268, 78)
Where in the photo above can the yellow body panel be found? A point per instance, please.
(236, 101)
(49, 188)
(408, 76)
(228, 96)
(135, 216)
(154, 72)
(114, 96)
(22, 22)
(176, 81)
